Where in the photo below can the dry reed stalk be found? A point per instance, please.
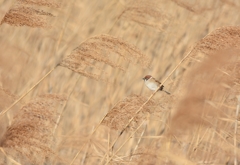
(123, 111)
(145, 13)
(64, 105)
(138, 142)
(7, 97)
(122, 144)
(101, 50)
(235, 132)
(29, 137)
(28, 91)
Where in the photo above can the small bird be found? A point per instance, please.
(153, 84)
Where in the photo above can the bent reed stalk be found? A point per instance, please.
(28, 91)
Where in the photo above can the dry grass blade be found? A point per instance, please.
(146, 13)
(123, 111)
(100, 50)
(30, 134)
(220, 39)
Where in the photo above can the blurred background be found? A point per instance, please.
(164, 30)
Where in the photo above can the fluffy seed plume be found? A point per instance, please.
(123, 111)
(48, 3)
(220, 39)
(30, 135)
(209, 88)
(26, 16)
(145, 13)
(6, 98)
(102, 49)
(23, 14)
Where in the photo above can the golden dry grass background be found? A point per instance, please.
(98, 52)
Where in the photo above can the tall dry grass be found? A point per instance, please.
(191, 46)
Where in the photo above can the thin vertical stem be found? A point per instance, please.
(235, 131)
(64, 106)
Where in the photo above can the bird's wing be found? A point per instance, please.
(159, 83)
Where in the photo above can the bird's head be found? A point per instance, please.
(147, 77)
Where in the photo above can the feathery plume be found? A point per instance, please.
(220, 39)
(101, 50)
(6, 98)
(145, 13)
(30, 134)
(48, 3)
(123, 111)
(23, 14)
(26, 16)
(211, 83)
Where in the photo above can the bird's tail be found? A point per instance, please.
(166, 92)
(161, 89)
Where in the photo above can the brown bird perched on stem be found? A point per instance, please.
(153, 84)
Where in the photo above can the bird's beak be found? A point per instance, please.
(143, 78)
